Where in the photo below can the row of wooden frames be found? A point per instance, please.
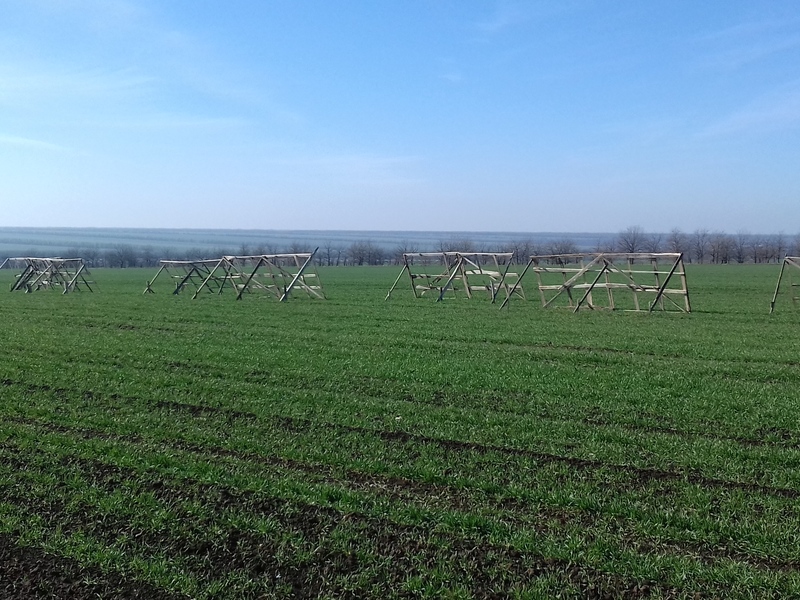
(276, 274)
(617, 281)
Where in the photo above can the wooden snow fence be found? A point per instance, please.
(38, 273)
(275, 274)
(791, 274)
(640, 281)
(459, 272)
(183, 273)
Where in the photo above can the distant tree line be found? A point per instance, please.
(699, 246)
(717, 247)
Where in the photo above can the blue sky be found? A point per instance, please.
(387, 115)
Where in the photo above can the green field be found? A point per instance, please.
(155, 446)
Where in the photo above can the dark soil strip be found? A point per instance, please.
(785, 435)
(545, 520)
(786, 438)
(641, 474)
(197, 410)
(665, 355)
(31, 573)
(393, 552)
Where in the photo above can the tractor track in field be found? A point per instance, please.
(513, 512)
(641, 475)
(399, 551)
(544, 520)
(784, 439)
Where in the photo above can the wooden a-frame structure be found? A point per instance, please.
(793, 262)
(39, 273)
(650, 280)
(183, 273)
(454, 272)
(275, 274)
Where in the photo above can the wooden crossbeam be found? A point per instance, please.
(183, 273)
(611, 272)
(276, 274)
(467, 272)
(422, 282)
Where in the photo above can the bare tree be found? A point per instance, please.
(121, 255)
(795, 247)
(457, 245)
(652, 242)
(756, 247)
(341, 255)
(91, 255)
(265, 248)
(327, 256)
(297, 247)
(375, 253)
(402, 247)
(365, 252)
(700, 243)
(522, 249)
(356, 254)
(719, 247)
(739, 246)
(147, 257)
(631, 240)
(677, 241)
(779, 245)
(604, 245)
(563, 246)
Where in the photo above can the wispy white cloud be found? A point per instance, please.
(509, 14)
(174, 121)
(359, 169)
(749, 42)
(739, 55)
(452, 77)
(23, 142)
(749, 29)
(131, 61)
(449, 70)
(96, 14)
(32, 81)
(130, 47)
(776, 111)
(505, 16)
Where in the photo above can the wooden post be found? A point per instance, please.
(663, 286)
(403, 270)
(517, 282)
(452, 274)
(148, 288)
(298, 275)
(591, 287)
(791, 261)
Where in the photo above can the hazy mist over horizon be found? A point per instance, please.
(145, 246)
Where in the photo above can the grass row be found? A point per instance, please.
(232, 449)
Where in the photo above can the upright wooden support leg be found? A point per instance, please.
(777, 287)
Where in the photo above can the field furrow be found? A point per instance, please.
(155, 446)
